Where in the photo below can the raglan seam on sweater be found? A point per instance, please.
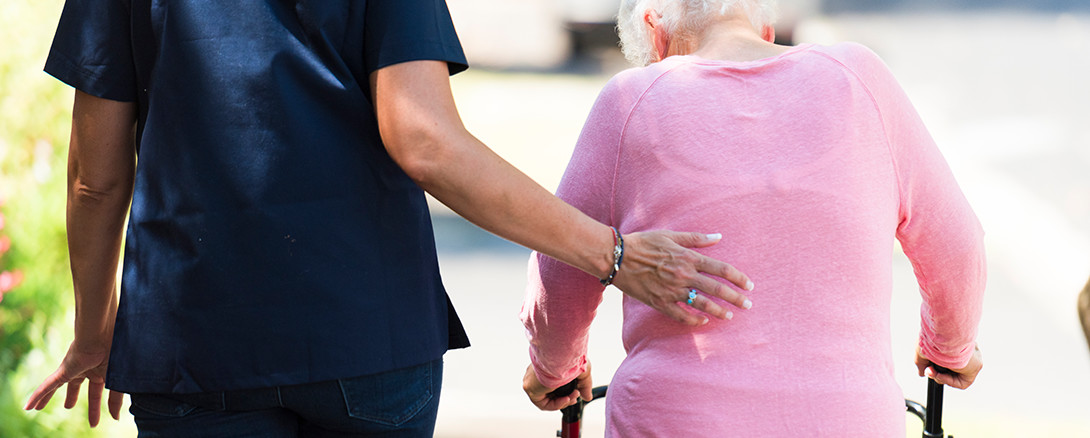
(881, 118)
(620, 140)
(917, 269)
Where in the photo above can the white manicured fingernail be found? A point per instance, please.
(730, 315)
(749, 285)
(715, 236)
(747, 304)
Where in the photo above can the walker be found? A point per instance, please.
(571, 423)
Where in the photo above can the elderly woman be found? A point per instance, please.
(811, 161)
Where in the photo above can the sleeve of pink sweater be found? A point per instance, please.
(560, 300)
(938, 230)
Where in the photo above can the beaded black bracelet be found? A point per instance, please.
(618, 255)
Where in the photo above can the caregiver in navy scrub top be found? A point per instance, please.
(276, 250)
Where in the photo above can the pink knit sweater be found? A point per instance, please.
(810, 163)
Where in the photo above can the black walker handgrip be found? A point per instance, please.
(933, 418)
(573, 413)
(563, 391)
(570, 425)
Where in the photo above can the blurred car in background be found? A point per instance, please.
(547, 34)
(587, 17)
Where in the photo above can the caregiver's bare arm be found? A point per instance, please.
(422, 131)
(101, 168)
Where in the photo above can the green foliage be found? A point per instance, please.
(35, 316)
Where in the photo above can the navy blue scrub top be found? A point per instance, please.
(272, 240)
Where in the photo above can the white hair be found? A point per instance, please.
(681, 17)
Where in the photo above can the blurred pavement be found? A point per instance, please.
(1007, 99)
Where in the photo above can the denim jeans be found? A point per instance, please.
(402, 403)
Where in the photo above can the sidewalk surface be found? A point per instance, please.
(1006, 97)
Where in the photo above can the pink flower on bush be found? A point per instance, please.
(8, 279)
